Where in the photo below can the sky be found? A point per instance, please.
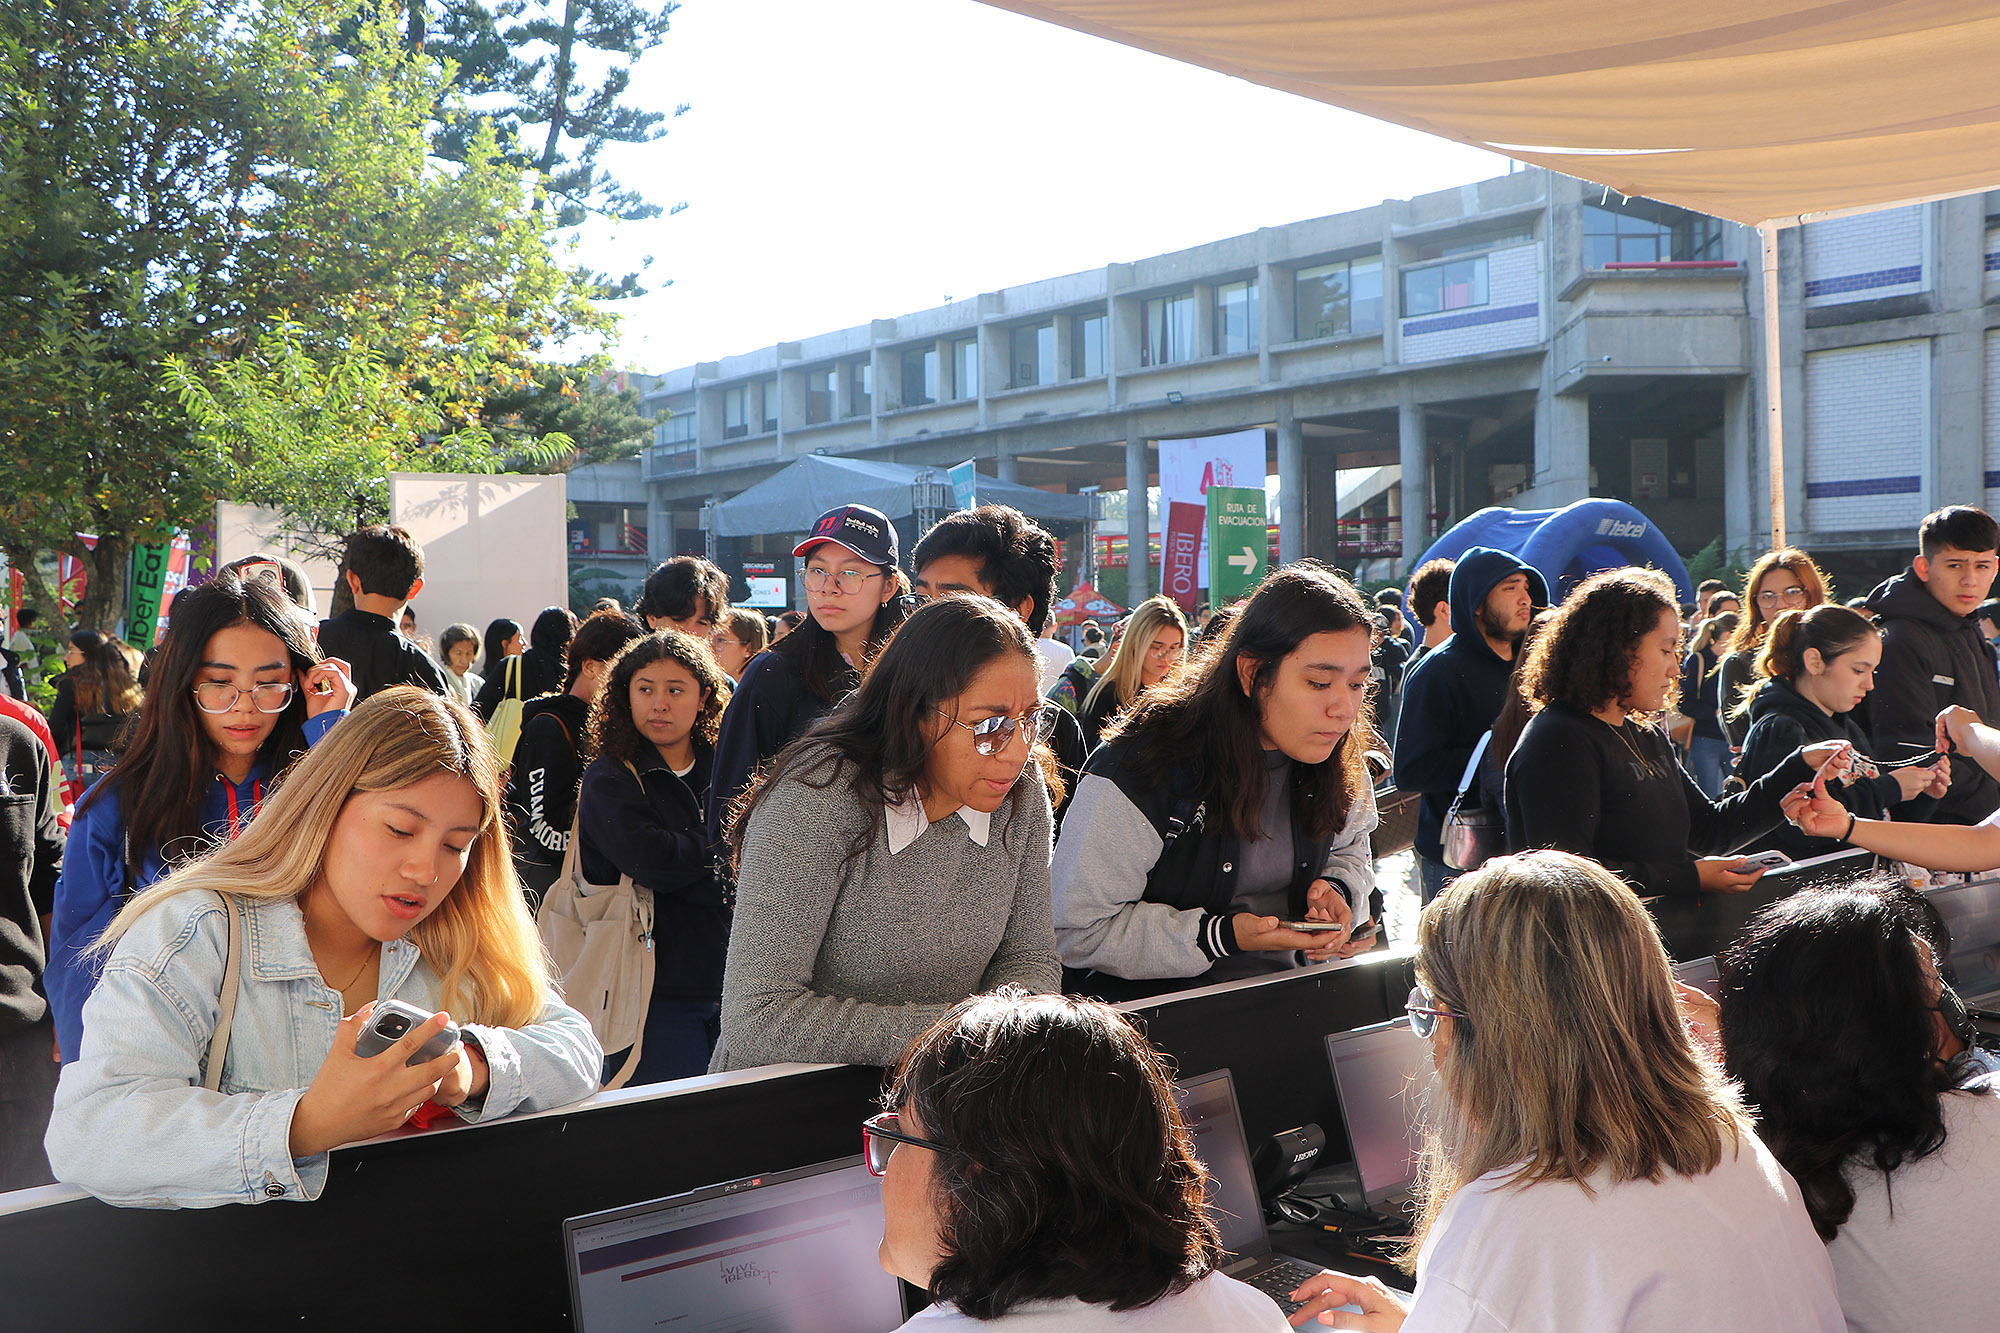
(861, 159)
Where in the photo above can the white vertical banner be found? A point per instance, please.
(1189, 467)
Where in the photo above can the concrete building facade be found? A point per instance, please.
(1527, 340)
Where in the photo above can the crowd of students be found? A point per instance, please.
(889, 832)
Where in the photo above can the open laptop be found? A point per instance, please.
(1701, 973)
(1208, 1104)
(1382, 1074)
(794, 1252)
(1971, 914)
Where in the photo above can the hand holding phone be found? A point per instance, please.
(1766, 860)
(393, 1020)
(356, 1096)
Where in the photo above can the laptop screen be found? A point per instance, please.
(794, 1252)
(1208, 1104)
(1382, 1073)
(1971, 914)
(1700, 973)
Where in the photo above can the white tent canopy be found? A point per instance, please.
(792, 498)
(1760, 111)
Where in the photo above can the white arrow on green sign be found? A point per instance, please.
(1237, 541)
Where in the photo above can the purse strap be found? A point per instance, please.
(232, 974)
(1472, 768)
(514, 677)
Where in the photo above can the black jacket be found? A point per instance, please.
(1575, 785)
(1095, 717)
(651, 829)
(541, 673)
(541, 786)
(31, 851)
(1783, 721)
(769, 709)
(379, 656)
(1701, 692)
(99, 730)
(1931, 659)
(1453, 694)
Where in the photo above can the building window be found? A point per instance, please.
(860, 388)
(1034, 356)
(1453, 285)
(1645, 232)
(819, 396)
(920, 377)
(1338, 300)
(1168, 335)
(1236, 317)
(770, 396)
(1086, 353)
(604, 529)
(676, 429)
(736, 412)
(965, 368)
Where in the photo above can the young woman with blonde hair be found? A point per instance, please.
(1578, 1131)
(1155, 642)
(378, 870)
(1782, 580)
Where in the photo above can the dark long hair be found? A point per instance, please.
(887, 728)
(164, 776)
(553, 630)
(497, 633)
(1827, 1023)
(1071, 1172)
(815, 653)
(612, 732)
(1201, 717)
(105, 682)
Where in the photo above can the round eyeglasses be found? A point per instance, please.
(992, 735)
(879, 1136)
(849, 581)
(1422, 1011)
(1792, 596)
(219, 696)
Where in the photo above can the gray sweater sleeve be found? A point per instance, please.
(1098, 879)
(1026, 955)
(1350, 860)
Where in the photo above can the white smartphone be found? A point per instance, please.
(391, 1021)
(1770, 860)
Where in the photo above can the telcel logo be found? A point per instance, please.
(1613, 527)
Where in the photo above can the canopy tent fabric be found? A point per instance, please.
(793, 498)
(1086, 603)
(1760, 111)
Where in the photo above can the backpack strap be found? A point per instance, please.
(232, 973)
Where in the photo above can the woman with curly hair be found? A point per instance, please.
(1037, 1175)
(639, 813)
(1593, 773)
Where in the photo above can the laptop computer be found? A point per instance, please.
(793, 1252)
(1208, 1104)
(1971, 915)
(1701, 973)
(1381, 1074)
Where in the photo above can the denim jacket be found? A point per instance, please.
(133, 1123)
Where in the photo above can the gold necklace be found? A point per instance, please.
(365, 961)
(1624, 736)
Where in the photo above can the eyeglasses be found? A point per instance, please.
(879, 1137)
(992, 735)
(849, 581)
(1424, 1014)
(219, 696)
(1793, 596)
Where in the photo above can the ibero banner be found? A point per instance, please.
(1188, 468)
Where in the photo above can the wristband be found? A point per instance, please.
(1217, 935)
(1849, 835)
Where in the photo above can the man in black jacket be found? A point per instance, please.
(385, 569)
(1933, 654)
(1452, 696)
(31, 847)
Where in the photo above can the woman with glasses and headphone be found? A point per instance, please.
(1782, 580)
(236, 693)
(1221, 829)
(1586, 1166)
(854, 597)
(895, 859)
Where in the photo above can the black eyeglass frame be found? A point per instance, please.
(872, 1128)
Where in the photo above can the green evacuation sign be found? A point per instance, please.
(1237, 539)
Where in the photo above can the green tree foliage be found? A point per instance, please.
(181, 178)
(572, 406)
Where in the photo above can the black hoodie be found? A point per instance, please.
(541, 787)
(1452, 696)
(1783, 721)
(1932, 659)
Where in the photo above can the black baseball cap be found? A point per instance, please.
(864, 531)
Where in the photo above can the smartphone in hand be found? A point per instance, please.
(393, 1020)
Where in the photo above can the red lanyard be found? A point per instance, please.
(256, 799)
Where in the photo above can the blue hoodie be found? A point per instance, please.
(1452, 696)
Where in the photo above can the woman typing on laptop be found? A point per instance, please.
(1586, 1168)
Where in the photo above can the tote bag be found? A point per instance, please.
(506, 721)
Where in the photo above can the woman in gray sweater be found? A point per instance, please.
(896, 858)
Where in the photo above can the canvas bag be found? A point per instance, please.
(601, 938)
(505, 724)
(1474, 834)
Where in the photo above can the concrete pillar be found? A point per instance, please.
(1009, 466)
(1746, 525)
(1291, 487)
(1562, 448)
(1415, 458)
(1138, 525)
(659, 527)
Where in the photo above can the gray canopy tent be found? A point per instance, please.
(793, 498)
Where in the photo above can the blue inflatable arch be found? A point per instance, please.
(1570, 544)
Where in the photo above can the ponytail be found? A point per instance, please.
(1830, 627)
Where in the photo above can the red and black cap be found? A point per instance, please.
(864, 531)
